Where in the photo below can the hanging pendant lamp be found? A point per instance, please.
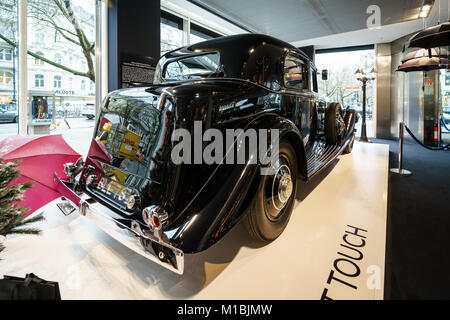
(424, 64)
(426, 53)
(437, 36)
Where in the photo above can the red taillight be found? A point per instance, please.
(155, 217)
(155, 222)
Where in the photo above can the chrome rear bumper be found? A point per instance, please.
(132, 237)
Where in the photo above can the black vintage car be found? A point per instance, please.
(131, 184)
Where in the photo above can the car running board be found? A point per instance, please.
(319, 156)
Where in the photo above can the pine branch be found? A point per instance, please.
(12, 217)
(32, 231)
(9, 173)
(28, 221)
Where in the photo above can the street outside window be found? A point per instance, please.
(342, 85)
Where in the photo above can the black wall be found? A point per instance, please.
(133, 33)
(310, 52)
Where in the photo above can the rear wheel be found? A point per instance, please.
(334, 124)
(270, 210)
(16, 120)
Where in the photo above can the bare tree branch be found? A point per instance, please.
(37, 56)
(85, 44)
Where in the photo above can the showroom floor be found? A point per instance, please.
(418, 260)
(317, 247)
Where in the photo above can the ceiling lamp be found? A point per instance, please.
(426, 8)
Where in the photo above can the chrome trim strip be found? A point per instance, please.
(95, 212)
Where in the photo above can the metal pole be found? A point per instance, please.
(23, 80)
(400, 170)
(401, 131)
(14, 78)
(98, 53)
(363, 125)
(439, 131)
(401, 135)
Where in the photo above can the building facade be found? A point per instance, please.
(70, 91)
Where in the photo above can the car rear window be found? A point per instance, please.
(206, 65)
(127, 127)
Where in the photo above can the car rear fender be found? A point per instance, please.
(221, 202)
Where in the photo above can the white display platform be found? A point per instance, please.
(88, 264)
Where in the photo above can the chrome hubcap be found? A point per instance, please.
(282, 187)
(285, 188)
(278, 189)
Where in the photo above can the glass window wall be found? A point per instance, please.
(342, 85)
(60, 67)
(173, 28)
(59, 82)
(171, 32)
(199, 34)
(9, 114)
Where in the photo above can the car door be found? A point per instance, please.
(313, 104)
(296, 79)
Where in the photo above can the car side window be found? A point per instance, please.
(295, 73)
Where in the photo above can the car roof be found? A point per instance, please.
(255, 57)
(246, 40)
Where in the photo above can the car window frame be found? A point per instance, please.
(306, 65)
(314, 85)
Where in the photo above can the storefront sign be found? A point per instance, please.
(41, 122)
(64, 92)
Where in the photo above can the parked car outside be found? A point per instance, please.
(358, 108)
(9, 113)
(88, 111)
